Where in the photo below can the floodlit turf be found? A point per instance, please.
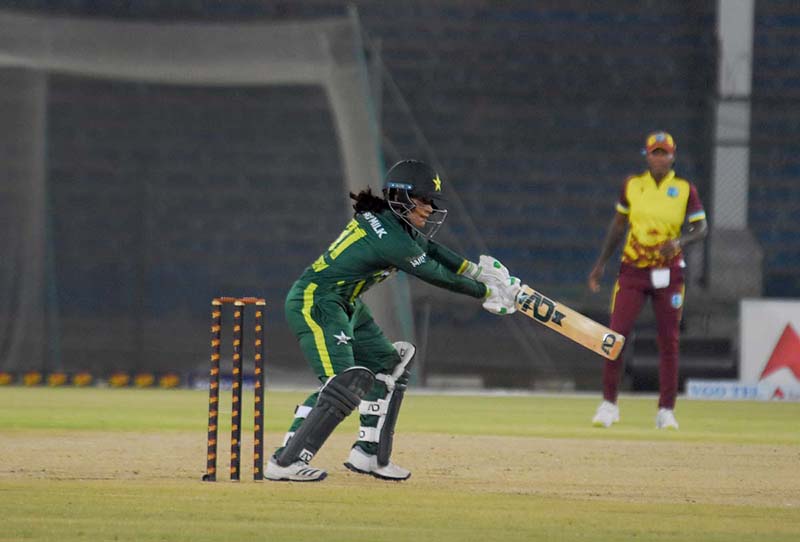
(102, 464)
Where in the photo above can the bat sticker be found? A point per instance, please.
(570, 323)
(609, 340)
(539, 301)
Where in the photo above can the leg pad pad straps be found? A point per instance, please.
(337, 399)
(400, 376)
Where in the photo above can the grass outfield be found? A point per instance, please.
(102, 464)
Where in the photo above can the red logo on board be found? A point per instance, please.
(785, 354)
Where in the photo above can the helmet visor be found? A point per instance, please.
(402, 205)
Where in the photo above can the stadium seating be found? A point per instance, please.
(775, 130)
(535, 112)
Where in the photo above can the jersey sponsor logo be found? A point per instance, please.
(541, 308)
(419, 260)
(376, 225)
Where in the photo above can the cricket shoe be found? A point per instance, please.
(665, 419)
(364, 463)
(299, 471)
(606, 415)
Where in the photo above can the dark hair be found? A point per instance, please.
(366, 201)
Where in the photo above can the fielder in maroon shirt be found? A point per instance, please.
(653, 207)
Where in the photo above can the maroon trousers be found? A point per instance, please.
(633, 286)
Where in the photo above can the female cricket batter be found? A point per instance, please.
(653, 206)
(356, 363)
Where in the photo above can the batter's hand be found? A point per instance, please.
(501, 295)
(492, 270)
(595, 276)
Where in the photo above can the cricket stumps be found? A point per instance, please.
(239, 304)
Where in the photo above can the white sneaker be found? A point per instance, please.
(666, 419)
(299, 471)
(363, 463)
(606, 415)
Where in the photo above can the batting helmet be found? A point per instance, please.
(414, 179)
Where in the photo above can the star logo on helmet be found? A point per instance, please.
(437, 184)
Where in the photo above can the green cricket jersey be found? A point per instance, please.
(371, 247)
(335, 329)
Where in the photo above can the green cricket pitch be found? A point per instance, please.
(103, 464)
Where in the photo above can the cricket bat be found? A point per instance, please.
(573, 325)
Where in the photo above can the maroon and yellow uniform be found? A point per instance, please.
(656, 212)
